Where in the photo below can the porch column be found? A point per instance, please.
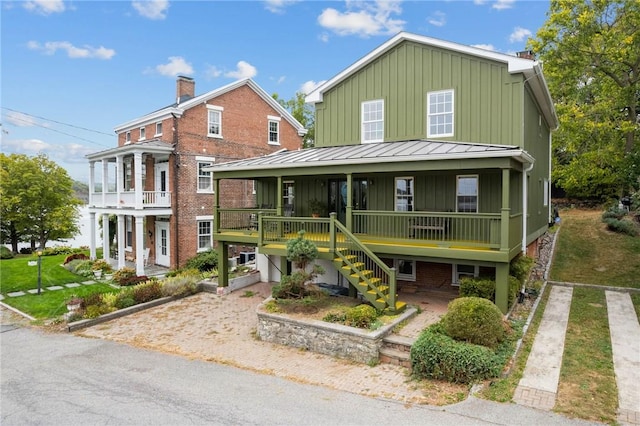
(105, 236)
(105, 178)
(92, 235)
(119, 177)
(223, 264)
(349, 217)
(139, 245)
(502, 286)
(505, 212)
(92, 183)
(137, 167)
(279, 196)
(121, 241)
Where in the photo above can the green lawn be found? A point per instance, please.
(16, 275)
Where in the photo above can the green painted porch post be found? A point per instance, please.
(505, 212)
(332, 231)
(279, 196)
(502, 286)
(223, 264)
(349, 217)
(216, 206)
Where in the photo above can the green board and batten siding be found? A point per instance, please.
(488, 100)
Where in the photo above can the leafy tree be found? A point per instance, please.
(37, 201)
(591, 55)
(302, 112)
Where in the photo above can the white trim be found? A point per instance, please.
(205, 158)
(199, 161)
(215, 107)
(452, 113)
(274, 118)
(204, 219)
(142, 130)
(212, 108)
(401, 276)
(362, 121)
(159, 123)
(412, 195)
(277, 122)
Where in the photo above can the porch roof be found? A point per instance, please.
(155, 146)
(374, 153)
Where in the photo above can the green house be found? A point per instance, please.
(431, 162)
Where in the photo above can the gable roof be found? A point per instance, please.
(178, 109)
(531, 69)
(382, 152)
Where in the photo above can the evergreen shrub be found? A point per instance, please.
(474, 320)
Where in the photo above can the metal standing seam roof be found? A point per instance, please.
(413, 150)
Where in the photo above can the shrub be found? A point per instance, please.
(101, 265)
(478, 287)
(621, 226)
(75, 256)
(474, 320)
(614, 213)
(26, 250)
(83, 267)
(520, 267)
(339, 317)
(147, 291)
(93, 299)
(124, 299)
(301, 251)
(109, 299)
(204, 261)
(361, 316)
(54, 251)
(131, 281)
(123, 273)
(180, 285)
(94, 311)
(435, 355)
(6, 253)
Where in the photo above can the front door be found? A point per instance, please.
(162, 244)
(338, 197)
(162, 184)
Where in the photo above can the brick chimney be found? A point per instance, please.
(526, 54)
(185, 88)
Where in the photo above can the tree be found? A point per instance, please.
(37, 201)
(302, 112)
(591, 55)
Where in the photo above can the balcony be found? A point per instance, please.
(129, 200)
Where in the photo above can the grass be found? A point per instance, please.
(16, 275)
(586, 252)
(635, 299)
(51, 304)
(587, 387)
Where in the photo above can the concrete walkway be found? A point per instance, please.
(539, 384)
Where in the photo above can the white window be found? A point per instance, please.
(467, 194)
(440, 113)
(158, 129)
(289, 197)
(373, 121)
(205, 179)
(405, 269)
(214, 125)
(205, 232)
(127, 137)
(142, 133)
(545, 192)
(128, 229)
(460, 271)
(127, 170)
(274, 130)
(404, 194)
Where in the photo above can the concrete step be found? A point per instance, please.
(399, 343)
(395, 357)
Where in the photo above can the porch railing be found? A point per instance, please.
(280, 229)
(241, 219)
(127, 199)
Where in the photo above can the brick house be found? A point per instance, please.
(155, 183)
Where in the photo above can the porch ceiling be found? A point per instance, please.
(389, 153)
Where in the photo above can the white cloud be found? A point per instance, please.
(151, 9)
(519, 34)
(279, 80)
(63, 153)
(324, 37)
(21, 120)
(244, 70)
(27, 146)
(278, 6)
(437, 19)
(86, 51)
(176, 66)
(503, 4)
(363, 18)
(212, 72)
(485, 46)
(44, 7)
(309, 86)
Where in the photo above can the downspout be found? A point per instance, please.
(525, 206)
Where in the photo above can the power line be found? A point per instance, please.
(57, 122)
(59, 131)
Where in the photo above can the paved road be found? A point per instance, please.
(60, 379)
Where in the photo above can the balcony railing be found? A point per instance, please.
(128, 199)
(243, 220)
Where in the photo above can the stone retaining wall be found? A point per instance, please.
(326, 338)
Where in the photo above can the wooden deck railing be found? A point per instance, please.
(245, 220)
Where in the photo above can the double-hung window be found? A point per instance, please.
(467, 194)
(143, 134)
(404, 194)
(128, 227)
(205, 232)
(205, 178)
(214, 121)
(373, 121)
(127, 137)
(406, 269)
(274, 130)
(440, 113)
(460, 271)
(158, 128)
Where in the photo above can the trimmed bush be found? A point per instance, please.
(204, 261)
(434, 355)
(124, 299)
(614, 213)
(75, 256)
(180, 285)
(26, 250)
(478, 287)
(82, 267)
(361, 316)
(147, 291)
(5, 253)
(123, 273)
(520, 267)
(621, 226)
(474, 320)
(134, 280)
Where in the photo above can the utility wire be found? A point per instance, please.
(59, 131)
(57, 122)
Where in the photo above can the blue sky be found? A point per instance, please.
(73, 70)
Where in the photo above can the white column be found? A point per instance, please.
(105, 178)
(119, 178)
(105, 236)
(92, 233)
(139, 245)
(92, 183)
(121, 241)
(137, 167)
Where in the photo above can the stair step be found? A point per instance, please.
(395, 357)
(381, 289)
(397, 342)
(349, 257)
(364, 273)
